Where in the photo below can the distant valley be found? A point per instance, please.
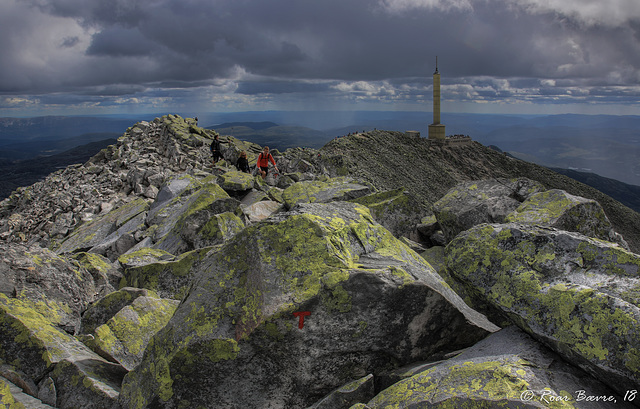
(273, 135)
(29, 171)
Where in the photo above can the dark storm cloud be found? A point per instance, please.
(118, 42)
(301, 46)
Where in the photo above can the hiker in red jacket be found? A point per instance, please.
(263, 162)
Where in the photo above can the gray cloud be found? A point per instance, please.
(382, 49)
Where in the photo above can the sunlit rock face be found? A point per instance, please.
(576, 294)
(372, 303)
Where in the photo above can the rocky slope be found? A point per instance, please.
(147, 278)
(392, 159)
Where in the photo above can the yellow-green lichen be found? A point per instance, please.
(6, 397)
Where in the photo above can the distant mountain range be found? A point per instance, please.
(585, 146)
(24, 138)
(276, 136)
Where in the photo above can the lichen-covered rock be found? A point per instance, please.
(427, 228)
(96, 232)
(18, 378)
(88, 383)
(106, 275)
(483, 201)
(235, 340)
(395, 210)
(507, 369)
(361, 390)
(104, 309)
(124, 337)
(59, 288)
(47, 391)
(169, 279)
(143, 257)
(235, 181)
(189, 222)
(13, 397)
(557, 208)
(323, 191)
(32, 345)
(578, 295)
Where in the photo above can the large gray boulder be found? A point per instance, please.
(559, 209)
(508, 369)
(106, 275)
(483, 201)
(30, 342)
(577, 295)
(51, 284)
(202, 216)
(323, 191)
(104, 309)
(397, 211)
(124, 337)
(169, 279)
(237, 340)
(13, 397)
(236, 182)
(101, 229)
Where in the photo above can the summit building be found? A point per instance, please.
(436, 129)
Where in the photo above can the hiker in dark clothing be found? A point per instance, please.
(215, 149)
(243, 163)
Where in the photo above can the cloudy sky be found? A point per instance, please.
(129, 56)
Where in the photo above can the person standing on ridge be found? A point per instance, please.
(263, 162)
(215, 149)
(243, 163)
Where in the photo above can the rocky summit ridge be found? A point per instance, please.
(377, 272)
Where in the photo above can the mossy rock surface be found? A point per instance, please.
(88, 383)
(184, 223)
(31, 343)
(106, 275)
(124, 337)
(360, 390)
(557, 208)
(481, 201)
(143, 257)
(396, 210)
(323, 191)
(169, 279)
(234, 340)
(104, 309)
(236, 181)
(579, 295)
(56, 286)
(507, 370)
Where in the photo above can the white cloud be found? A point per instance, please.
(591, 12)
(407, 5)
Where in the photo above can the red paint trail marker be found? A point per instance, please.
(301, 314)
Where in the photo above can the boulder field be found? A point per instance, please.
(149, 278)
